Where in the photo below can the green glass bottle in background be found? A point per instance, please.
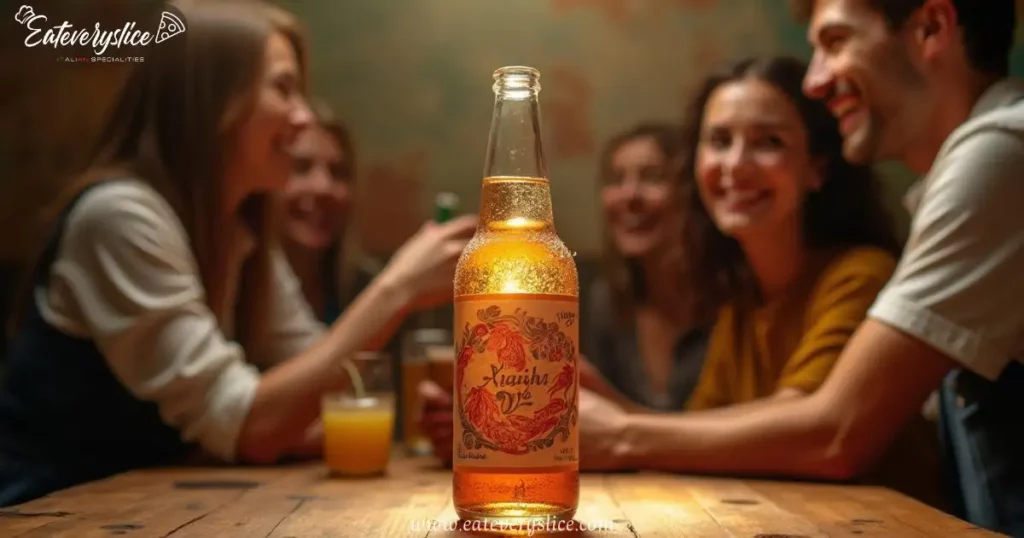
(445, 206)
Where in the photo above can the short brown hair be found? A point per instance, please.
(988, 26)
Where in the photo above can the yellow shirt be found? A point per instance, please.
(793, 341)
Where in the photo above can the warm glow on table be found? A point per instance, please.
(416, 495)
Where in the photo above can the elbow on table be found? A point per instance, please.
(259, 446)
(844, 457)
(258, 454)
(840, 467)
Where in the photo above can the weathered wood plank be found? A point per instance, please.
(70, 507)
(150, 501)
(390, 513)
(661, 507)
(257, 512)
(744, 512)
(310, 502)
(144, 481)
(915, 514)
(383, 506)
(414, 499)
(598, 509)
(13, 523)
(159, 515)
(834, 509)
(253, 514)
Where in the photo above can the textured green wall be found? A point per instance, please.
(413, 80)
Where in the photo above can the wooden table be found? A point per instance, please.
(300, 501)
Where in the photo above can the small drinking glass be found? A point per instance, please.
(359, 422)
(416, 367)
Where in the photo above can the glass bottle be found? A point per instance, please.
(516, 332)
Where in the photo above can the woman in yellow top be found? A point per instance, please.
(789, 243)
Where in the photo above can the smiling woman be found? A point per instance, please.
(145, 262)
(161, 316)
(643, 335)
(791, 244)
(318, 236)
(790, 239)
(767, 184)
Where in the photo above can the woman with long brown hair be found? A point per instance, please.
(162, 294)
(639, 332)
(790, 244)
(318, 236)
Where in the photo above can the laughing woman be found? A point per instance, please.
(161, 290)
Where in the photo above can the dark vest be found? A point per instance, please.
(64, 417)
(982, 430)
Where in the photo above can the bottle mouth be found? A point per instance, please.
(516, 71)
(516, 81)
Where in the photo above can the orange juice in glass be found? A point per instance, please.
(359, 423)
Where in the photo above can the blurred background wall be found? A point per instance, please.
(413, 80)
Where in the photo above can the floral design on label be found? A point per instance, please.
(516, 381)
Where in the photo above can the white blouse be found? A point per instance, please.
(125, 277)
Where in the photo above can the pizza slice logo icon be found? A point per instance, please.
(170, 26)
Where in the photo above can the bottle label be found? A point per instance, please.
(516, 381)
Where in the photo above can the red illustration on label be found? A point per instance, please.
(516, 381)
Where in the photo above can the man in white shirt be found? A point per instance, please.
(923, 82)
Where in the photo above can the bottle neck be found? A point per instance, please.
(516, 194)
(516, 204)
(514, 146)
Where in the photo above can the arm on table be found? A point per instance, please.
(842, 295)
(878, 385)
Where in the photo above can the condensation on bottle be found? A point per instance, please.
(516, 388)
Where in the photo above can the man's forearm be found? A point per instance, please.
(732, 411)
(876, 387)
(770, 438)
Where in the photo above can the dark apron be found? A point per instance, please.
(65, 418)
(982, 427)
